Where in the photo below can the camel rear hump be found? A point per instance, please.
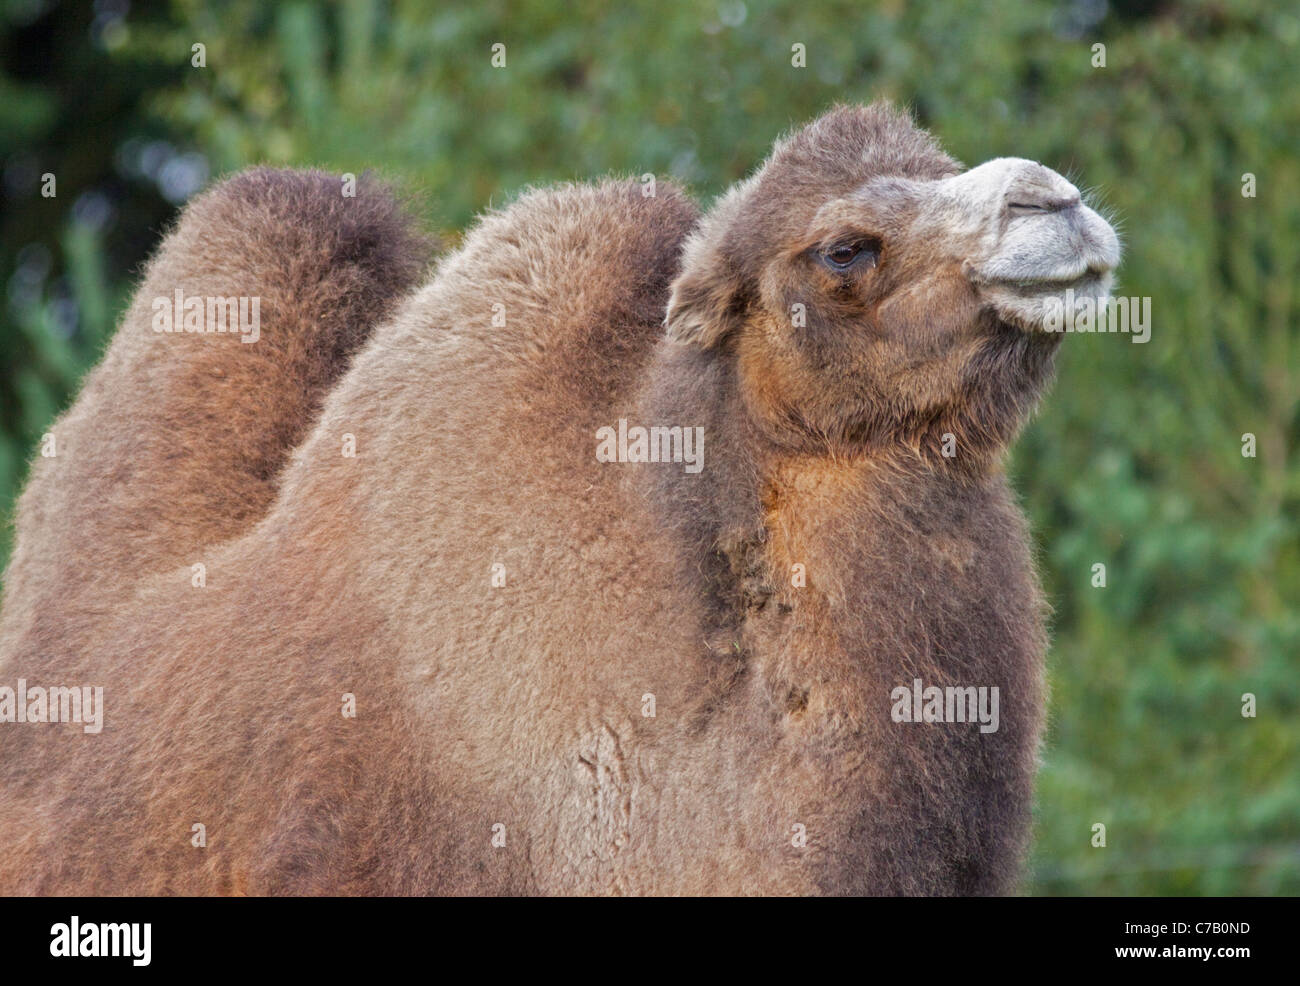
(247, 315)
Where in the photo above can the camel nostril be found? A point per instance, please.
(1031, 187)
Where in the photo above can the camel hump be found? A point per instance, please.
(246, 316)
(562, 263)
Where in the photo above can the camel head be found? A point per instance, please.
(872, 292)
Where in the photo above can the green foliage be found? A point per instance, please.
(1136, 460)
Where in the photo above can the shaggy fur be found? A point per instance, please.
(173, 448)
(521, 705)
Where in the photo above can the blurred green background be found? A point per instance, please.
(1136, 459)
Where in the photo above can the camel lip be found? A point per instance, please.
(1090, 278)
(1032, 303)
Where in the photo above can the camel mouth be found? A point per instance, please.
(1089, 280)
(1040, 304)
(1049, 269)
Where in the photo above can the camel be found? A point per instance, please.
(421, 591)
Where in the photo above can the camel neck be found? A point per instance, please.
(757, 508)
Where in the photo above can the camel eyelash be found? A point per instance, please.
(847, 255)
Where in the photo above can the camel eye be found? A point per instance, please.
(844, 255)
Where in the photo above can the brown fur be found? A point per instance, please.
(522, 704)
(173, 448)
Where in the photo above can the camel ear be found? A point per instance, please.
(708, 298)
(705, 305)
